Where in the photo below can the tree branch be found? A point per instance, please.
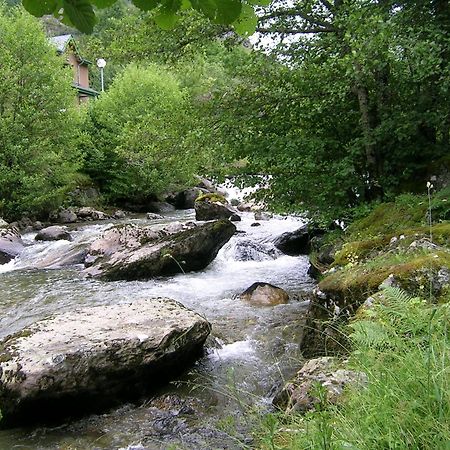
(294, 13)
(295, 31)
(327, 5)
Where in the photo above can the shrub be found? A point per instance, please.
(137, 127)
(38, 119)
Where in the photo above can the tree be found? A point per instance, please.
(138, 130)
(38, 119)
(82, 15)
(357, 110)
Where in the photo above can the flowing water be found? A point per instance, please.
(251, 349)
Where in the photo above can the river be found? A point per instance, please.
(251, 349)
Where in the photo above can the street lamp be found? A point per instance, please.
(101, 63)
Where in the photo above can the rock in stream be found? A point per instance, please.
(130, 252)
(94, 357)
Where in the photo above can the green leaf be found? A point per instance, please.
(185, 5)
(207, 7)
(80, 13)
(259, 2)
(40, 7)
(103, 3)
(228, 11)
(166, 20)
(146, 5)
(220, 11)
(246, 24)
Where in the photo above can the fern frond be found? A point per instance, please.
(369, 334)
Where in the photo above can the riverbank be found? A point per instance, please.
(381, 306)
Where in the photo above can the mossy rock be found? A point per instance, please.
(212, 197)
(360, 250)
(412, 270)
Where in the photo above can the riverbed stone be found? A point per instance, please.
(160, 207)
(92, 357)
(294, 243)
(154, 216)
(53, 233)
(89, 213)
(301, 394)
(11, 244)
(132, 252)
(249, 250)
(212, 210)
(185, 199)
(262, 215)
(264, 294)
(64, 216)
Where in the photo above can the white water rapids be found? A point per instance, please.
(251, 349)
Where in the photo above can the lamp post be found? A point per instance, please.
(101, 63)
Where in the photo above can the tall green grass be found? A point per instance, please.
(402, 344)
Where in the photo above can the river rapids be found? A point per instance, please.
(250, 352)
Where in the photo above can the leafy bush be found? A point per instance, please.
(137, 130)
(38, 119)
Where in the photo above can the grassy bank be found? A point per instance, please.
(401, 340)
(402, 344)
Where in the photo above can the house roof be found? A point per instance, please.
(63, 41)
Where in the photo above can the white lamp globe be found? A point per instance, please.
(101, 63)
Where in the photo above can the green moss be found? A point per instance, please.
(352, 252)
(5, 357)
(412, 270)
(5, 350)
(212, 197)
(406, 212)
(356, 251)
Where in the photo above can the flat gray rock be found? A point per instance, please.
(53, 233)
(95, 356)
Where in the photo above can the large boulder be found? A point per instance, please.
(212, 207)
(53, 233)
(185, 199)
(160, 207)
(294, 243)
(131, 252)
(301, 393)
(3, 223)
(11, 244)
(264, 294)
(96, 356)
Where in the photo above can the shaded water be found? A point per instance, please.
(250, 351)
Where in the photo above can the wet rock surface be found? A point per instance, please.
(160, 207)
(264, 294)
(210, 210)
(185, 199)
(130, 252)
(53, 233)
(11, 244)
(86, 358)
(301, 393)
(248, 250)
(154, 216)
(294, 243)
